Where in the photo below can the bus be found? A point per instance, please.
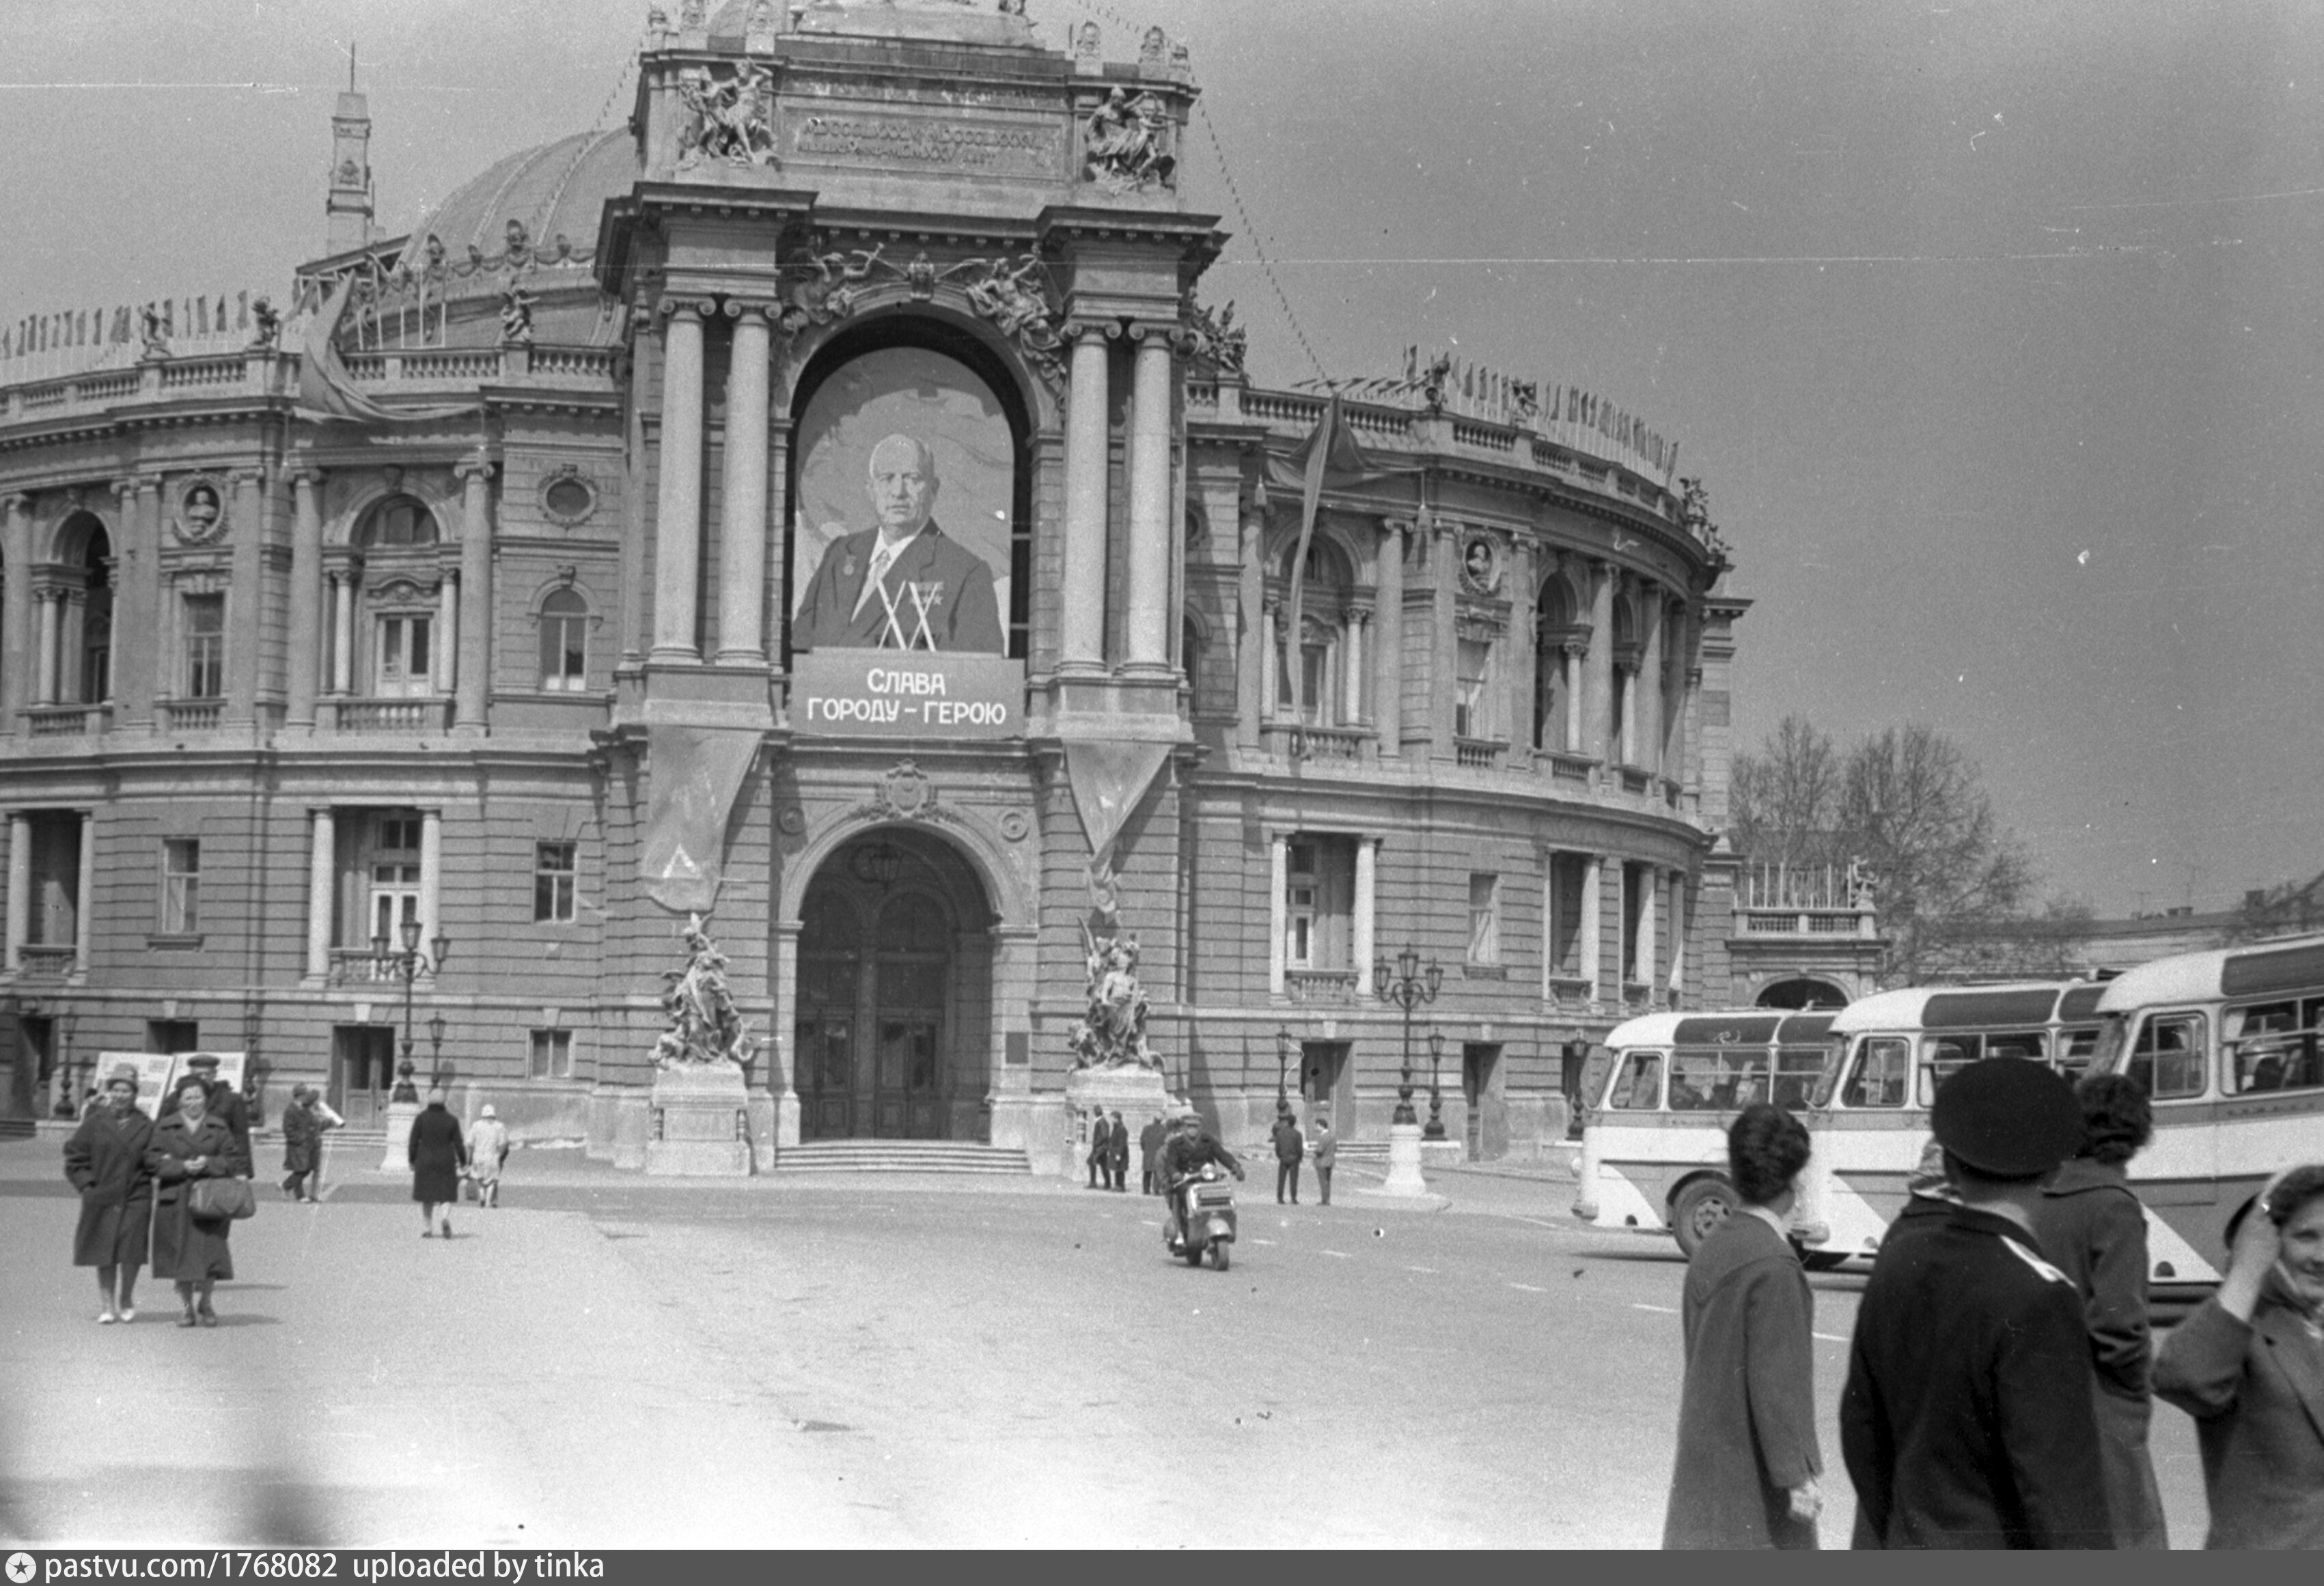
(2227, 1044)
(1658, 1102)
(1889, 1052)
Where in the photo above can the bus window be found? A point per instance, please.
(1699, 1081)
(2272, 1047)
(1942, 1057)
(1797, 1069)
(1637, 1083)
(2076, 1050)
(2169, 1057)
(2025, 1044)
(1878, 1079)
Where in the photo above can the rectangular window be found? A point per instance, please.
(1566, 873)
(394, 877)
(2076, 1048)
(182, 887)
(1319, 899)
(1637, 1084)
(2169, 1057)
(205, 630)
(2274, 1047)
(1470, 718)
(1299, 943)
(551, 1056)
(1484, 919)
(404, 655)
(1318, 708)
(564, 643)
(1877, 1079)
(553, 867)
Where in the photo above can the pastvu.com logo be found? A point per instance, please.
(21, 1567)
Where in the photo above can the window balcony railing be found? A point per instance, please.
(1635, 781)
(1825, 923)
(67, 720)
(355, 966)
(1344, 744)
(40, 961)
(1342, 987)
(1572, 990)
(1569, 768)
(1478, 753)
(193, 715)
(393, 715)
(1635, 995)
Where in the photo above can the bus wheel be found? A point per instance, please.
(1701, 1208)
(1821, 1260)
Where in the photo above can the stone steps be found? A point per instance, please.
(941, 1156)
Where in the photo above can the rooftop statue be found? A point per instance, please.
(705, 1024)
(983, 22)
(1128, 144)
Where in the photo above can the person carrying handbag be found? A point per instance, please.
(192, 1147)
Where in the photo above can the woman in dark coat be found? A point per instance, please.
(105, 1160)
(302, 1139)
(2091, 1227)
(2249, 1366)
(437, 1153)
(1747, 1458)
(189, 1144)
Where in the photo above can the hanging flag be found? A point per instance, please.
(327, 392)
(1332, 457)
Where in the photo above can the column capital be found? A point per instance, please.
(1145, 333)
(16, 502)
(1078, 330)
(122, 489)
(303, 472)
(676, 303)
(744, 309)
(474, 469)
(239, 478)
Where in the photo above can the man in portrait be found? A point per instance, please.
(903, 584)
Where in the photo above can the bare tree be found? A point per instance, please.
(1784, 803)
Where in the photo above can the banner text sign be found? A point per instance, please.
(906, 694)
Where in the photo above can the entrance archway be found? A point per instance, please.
(1802, 991)
(895, 993)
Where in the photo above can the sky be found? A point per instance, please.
(1993, 329)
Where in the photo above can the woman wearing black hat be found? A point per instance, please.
(2092, 1229)
(2249, 1366)
(105, 1160)
(191, 1144)
(1747, 1458)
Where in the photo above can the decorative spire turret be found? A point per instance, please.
(348, 207)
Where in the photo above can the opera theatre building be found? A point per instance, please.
(832, 502)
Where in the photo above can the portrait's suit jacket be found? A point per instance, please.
(957, 586)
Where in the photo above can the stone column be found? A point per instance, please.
(322, 869)
(1149, 502)
(83, 888)
(306, 597)
(742, 545)
(1524, 661)
(1278, 877)
(52, 619)
(140, 664)
(473, 705)
(1591, 942)
(1388, 652)
(1598, 669)
(431, 876)
(1270, 661)
(1351, 671)
(343, 638)
(20, 888)
(1569, 664)
(677, 526)
(18, 657)
(1677, 980)
(1643, 971)
(1082, 625)
(1444, 654)
(446, 663)
(246, 601)
(1364, 948)
(1252, 664)
(1648, 746)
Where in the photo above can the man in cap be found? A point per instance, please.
(224, 1101)
(1967, 1418)
(1183, 1154)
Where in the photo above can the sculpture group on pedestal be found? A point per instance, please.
(705, 1024)
(1112, 1033)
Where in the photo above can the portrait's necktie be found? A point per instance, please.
(871, 576)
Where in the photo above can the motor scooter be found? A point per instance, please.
(1208, 1202)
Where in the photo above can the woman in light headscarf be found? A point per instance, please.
(488, 1148)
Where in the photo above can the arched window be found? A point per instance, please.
(81, 662)
(398, 521)
(1329, 691)
(564, 642)
(1626, 681)
(1559, 641)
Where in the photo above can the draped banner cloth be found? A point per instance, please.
(1108, 778)
(697, 772)
(1328, 459)
(328, 393)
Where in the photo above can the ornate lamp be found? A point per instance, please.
(1435, 1129)
(1283, 1042)
(1409, 987)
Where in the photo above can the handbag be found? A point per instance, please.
(216, 1198)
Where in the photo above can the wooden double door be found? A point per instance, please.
(874, 986)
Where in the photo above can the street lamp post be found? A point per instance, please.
(1436, 1130)
(436, 1050)
(1283, 1042)
(407, 964)
(1409, 987)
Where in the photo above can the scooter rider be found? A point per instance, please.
(1184, 1153)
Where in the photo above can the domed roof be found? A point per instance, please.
(558, 190)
